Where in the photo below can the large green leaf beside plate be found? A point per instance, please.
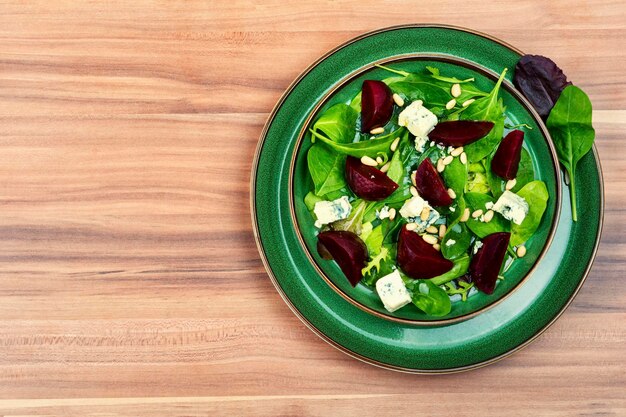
(403, 346)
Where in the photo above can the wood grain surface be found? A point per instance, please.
(130, 283)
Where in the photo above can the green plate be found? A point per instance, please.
(374, 338)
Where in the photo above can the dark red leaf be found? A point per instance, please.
(541, 81)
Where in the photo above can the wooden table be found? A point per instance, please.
(130, 283)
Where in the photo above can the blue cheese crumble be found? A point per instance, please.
(393, 292)
(419, 121)
(512, 207)
(330, 211)
(412, 210)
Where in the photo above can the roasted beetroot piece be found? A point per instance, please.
(486, 263)
(459, 132)
(430, 185)
(419, 259)
(541, 81)
(368, 182)
(506, 159)
(376, 105)
(347, 249)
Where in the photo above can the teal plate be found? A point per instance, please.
(486, 337)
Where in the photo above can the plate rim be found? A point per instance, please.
(294, 309)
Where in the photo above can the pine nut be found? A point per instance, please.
(450, 104)
(432, 229)
(455, 90)
(463, 158)
(411, 226)
(392, 214)
(456, 152)
(451, 193)
(394, 144)
(366, 160)
(466, 215)
(377, 130)
(440, 165)
(468, 102)
(442, 230)
(477, 214)
(448, 160)
(399, 101)
(413, 177)
(430, 239)
(385, 167)
(510, 184)
(488, 216)
(414, 192)
(425, 214)
(521, 251)
(379, 160)
(437, 246)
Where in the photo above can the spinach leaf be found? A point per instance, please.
(434, 72)
(476, 201)
(570, 126)
(367, 147)
(455, 176)
(488, 108)
(525, 174)
(374, 240)
(429, 298)
(422, 87)
(536, 195)
(477, 181)
(326, 168)
(396, 169)
(355, 103)
(461, 265)
(354, 222)
(461, 236)
(338, 123)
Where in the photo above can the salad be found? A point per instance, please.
(416, 193)
(422, 191)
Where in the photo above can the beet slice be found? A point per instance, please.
(486, 263)
(376, 105)
(430, 185)
(460, 132)
(419, 259)
(347, 249)
(368, 182)
(505, 162)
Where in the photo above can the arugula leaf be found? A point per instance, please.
(570, 126)
(429, 298)
(374, 265)
(374, 240)
(536, 195)
(326, 168)
(338, 123)
(462, 289)
(476, 201)
(488, 108)
(367, 147)
(434, 72)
